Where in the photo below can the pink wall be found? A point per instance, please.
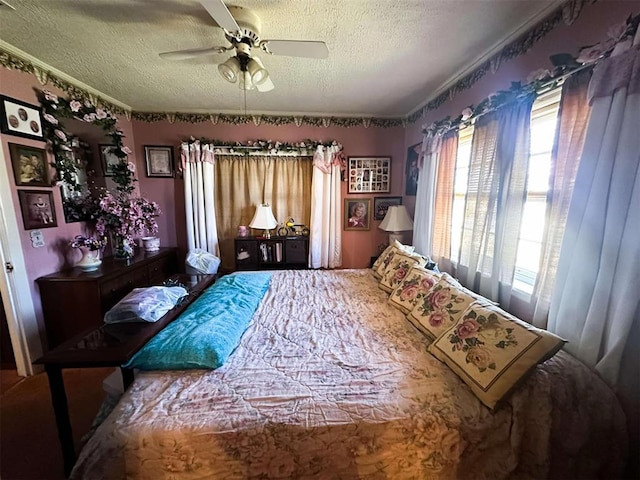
(56, 254)
(357, 247)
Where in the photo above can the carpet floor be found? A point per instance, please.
(29, 447)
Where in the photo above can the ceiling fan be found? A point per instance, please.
(242, 29)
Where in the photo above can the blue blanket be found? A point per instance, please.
(208, 331)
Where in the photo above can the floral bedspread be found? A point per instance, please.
(331, 382)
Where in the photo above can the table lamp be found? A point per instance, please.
(263, 219)
(395, 221)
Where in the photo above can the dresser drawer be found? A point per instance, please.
(112, 291)
(160, 270)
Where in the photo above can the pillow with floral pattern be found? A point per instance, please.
(398, 268)
(382, 262)
(492, 351)
(413, 288)
(440, 308)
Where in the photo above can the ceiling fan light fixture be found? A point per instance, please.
(230, 69)
(245, 81)
(257, 71)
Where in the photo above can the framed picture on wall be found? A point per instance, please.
(382, 204)
(29, 165)
(357, 213)
(369, 174)
(20, 119)
(411, 170)
(109, 159)
(159, 160)
(38, 210)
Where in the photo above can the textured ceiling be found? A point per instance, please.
(386, 57)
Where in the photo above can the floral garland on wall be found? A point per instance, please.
(619, 36)
(55, 108)
(116, 214)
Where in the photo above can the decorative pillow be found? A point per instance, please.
(492, 351)
(398, 268)
(413, 288)
(380, 265)
(440, 308)
(148, 304)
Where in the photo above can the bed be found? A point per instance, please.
(331, 381)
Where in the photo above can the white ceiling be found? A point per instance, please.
(386, 57)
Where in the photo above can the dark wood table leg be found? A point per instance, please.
(127, 377)
(61, 410)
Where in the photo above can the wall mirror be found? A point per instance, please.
(84, 139)
(75, 131)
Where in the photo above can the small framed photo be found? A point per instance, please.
(20, 119)
(382, 204)
(159, 160)
(357, 213)
(369, 174)
(38, 210)
(109, 159)
(29, 165)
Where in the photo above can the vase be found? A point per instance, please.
(151, 244)
(122, 248)
(90, 259)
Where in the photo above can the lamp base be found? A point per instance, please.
(267, 234)
(395, 236)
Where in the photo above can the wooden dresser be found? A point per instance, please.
(74, 301)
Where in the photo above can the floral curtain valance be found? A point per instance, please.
(265, 147)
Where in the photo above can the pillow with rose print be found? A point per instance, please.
(492, 351)
(441, 307)
(380, 265)
(398, 268)
(413, 288)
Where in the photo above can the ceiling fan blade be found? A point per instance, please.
(297, 48)
(220, 13)
(191, 53)
(265, 86)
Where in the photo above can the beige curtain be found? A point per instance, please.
(242, 182)
(444, 197)
(573, 118)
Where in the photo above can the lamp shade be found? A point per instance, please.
(396, 220)
(230, 70)
(263, 219)
(257, 71)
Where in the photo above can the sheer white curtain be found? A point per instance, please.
(496, 194)
(573, 117)
(597, 294)
(325, 238)
(426, 193)
(198, 167)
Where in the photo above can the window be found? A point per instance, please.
(460, 189)
(544, 116)
(543, 125)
